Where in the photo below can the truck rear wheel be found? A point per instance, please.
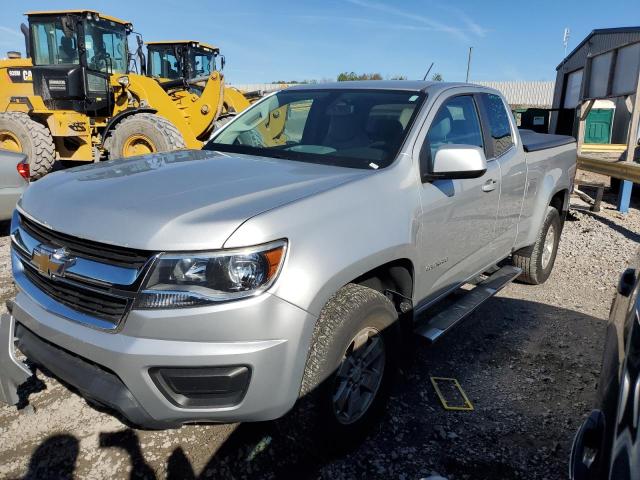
(351, 366)
(537, 260)
(19, 133)
(141, 134)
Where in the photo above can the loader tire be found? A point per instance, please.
(19, 133)
(142, 134)
(537, 260)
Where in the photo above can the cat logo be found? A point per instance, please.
(20, 75)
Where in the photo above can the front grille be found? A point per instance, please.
(90, 302)
(100, 252)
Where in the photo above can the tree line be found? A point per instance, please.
(351, 76)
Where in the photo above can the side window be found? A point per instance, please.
(499, 126)
(456, 123)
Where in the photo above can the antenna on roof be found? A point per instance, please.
(427, 74)
(565, 39)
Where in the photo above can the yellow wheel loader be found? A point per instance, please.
(183, 68)
(76, 100)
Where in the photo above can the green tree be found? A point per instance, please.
(437, 77)
(350, 76)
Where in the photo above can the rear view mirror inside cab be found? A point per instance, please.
(340, 109)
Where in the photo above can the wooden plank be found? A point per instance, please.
(622, 170)
(604, 147)
(632, 140)
(585, 108)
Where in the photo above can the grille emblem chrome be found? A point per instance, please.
(51, 262)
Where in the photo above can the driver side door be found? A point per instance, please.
(458, 220)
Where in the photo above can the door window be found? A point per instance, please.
(499, 124)
(54, 44)
(456, 123)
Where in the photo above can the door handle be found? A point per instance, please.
(489, 185)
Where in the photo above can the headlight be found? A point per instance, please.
(96, 83)
(190, 280)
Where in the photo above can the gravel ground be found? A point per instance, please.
(528, 359)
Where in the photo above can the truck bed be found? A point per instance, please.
(533, 141)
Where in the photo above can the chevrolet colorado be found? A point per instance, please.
(288, 260)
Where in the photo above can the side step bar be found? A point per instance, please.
(434, 327)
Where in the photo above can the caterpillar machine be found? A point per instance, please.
(183, 68)
(76, 99)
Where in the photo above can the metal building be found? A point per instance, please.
(524, 94)
(604, 66)
(597, 95)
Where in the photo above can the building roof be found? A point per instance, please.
(62, 12)
(598, 31)
(529, 93)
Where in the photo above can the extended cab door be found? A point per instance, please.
(458, 219)
(503, 145)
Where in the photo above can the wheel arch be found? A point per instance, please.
(116, 119)
(394, 279)
(560, 201)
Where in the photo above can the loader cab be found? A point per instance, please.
(186, 60)
(74, 53)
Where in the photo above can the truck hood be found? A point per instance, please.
(183, 200)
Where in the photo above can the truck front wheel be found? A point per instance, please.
(351, 366)
(537, 260)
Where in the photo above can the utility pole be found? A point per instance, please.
(469, 63)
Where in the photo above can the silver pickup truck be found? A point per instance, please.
(286, 262)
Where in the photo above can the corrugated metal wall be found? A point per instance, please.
(599, 43)
(538, 94)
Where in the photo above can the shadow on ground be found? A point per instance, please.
(530, 370)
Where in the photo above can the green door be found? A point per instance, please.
(598, 126)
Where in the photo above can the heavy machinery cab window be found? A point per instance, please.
(164, 63)
(106, 46)
(202, 63)
(351, 128)
(53, 43)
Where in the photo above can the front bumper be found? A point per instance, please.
(266, 334)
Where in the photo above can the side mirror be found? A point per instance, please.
(454, 162)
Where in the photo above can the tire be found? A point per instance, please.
(537, 260)
(18, 132)
(141, 134)
(352, 310)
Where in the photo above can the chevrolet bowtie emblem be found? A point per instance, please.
(50, 261)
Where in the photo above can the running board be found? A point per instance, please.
(434, 327)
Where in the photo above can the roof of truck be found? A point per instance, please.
(93, 12)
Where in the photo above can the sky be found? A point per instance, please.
(265, 41)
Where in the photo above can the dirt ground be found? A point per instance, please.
(528, 359)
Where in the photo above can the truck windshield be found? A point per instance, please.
(54, 44)
(350, 128)
(106, 46)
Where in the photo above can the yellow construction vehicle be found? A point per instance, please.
(76, 99)
(183, 68)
